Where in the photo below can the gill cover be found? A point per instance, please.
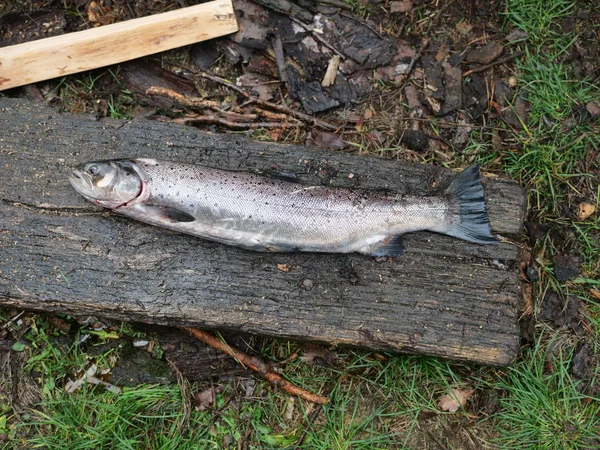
(111, 183)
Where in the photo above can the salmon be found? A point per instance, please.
(262, 213)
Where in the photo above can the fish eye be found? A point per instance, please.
(93, 170)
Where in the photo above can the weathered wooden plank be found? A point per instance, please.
(444, 297)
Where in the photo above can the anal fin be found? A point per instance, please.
(389, 247)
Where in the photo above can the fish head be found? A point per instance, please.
(111, 183)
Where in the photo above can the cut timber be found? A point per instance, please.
(110, 44)
(444, 297)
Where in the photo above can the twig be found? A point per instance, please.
(319, 38)
(311, 420)
(182, 100)
(362, 22)
(413, 62)
(13, 319)
(270, 114)
(210, 118)
(492, 64)
(184, 387)
(275, 106)
(199, 104)
(257, 365)
(336, 3)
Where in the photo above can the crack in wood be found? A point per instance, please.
(58, 210)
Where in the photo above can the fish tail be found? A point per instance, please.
(470, 221)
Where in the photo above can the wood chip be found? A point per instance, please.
(331, 73)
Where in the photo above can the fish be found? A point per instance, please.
(268, 214)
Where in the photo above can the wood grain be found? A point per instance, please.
(110, 44)
(444, 297)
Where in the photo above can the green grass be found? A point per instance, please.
(553, 144)
(539, 18)
(146, 417)
(543, 407)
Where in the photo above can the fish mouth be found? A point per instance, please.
(80, 182)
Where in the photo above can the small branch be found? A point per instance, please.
(270, 114)
(490, 65)
(182, 100)
(209, 118)
(274, 106)
(256, 364)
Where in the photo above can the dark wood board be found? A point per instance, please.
(444, 297)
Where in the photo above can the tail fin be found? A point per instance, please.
(471, 220)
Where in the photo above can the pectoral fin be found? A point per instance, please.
(390, 247)
(165, 213)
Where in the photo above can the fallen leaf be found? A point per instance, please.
(516, 35)
(586, 210)
(566, 265)
(595, 293)
(464, 28)
(275, 134)
(99, 14)
(289, 409)
(320, 356)
(454, 399)
(582, 363)
(284, 267)
(324, 139)
(19, 347)
(203, 400)
(59, 323)
(401, 6)
(485, 54)
(593, 109)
